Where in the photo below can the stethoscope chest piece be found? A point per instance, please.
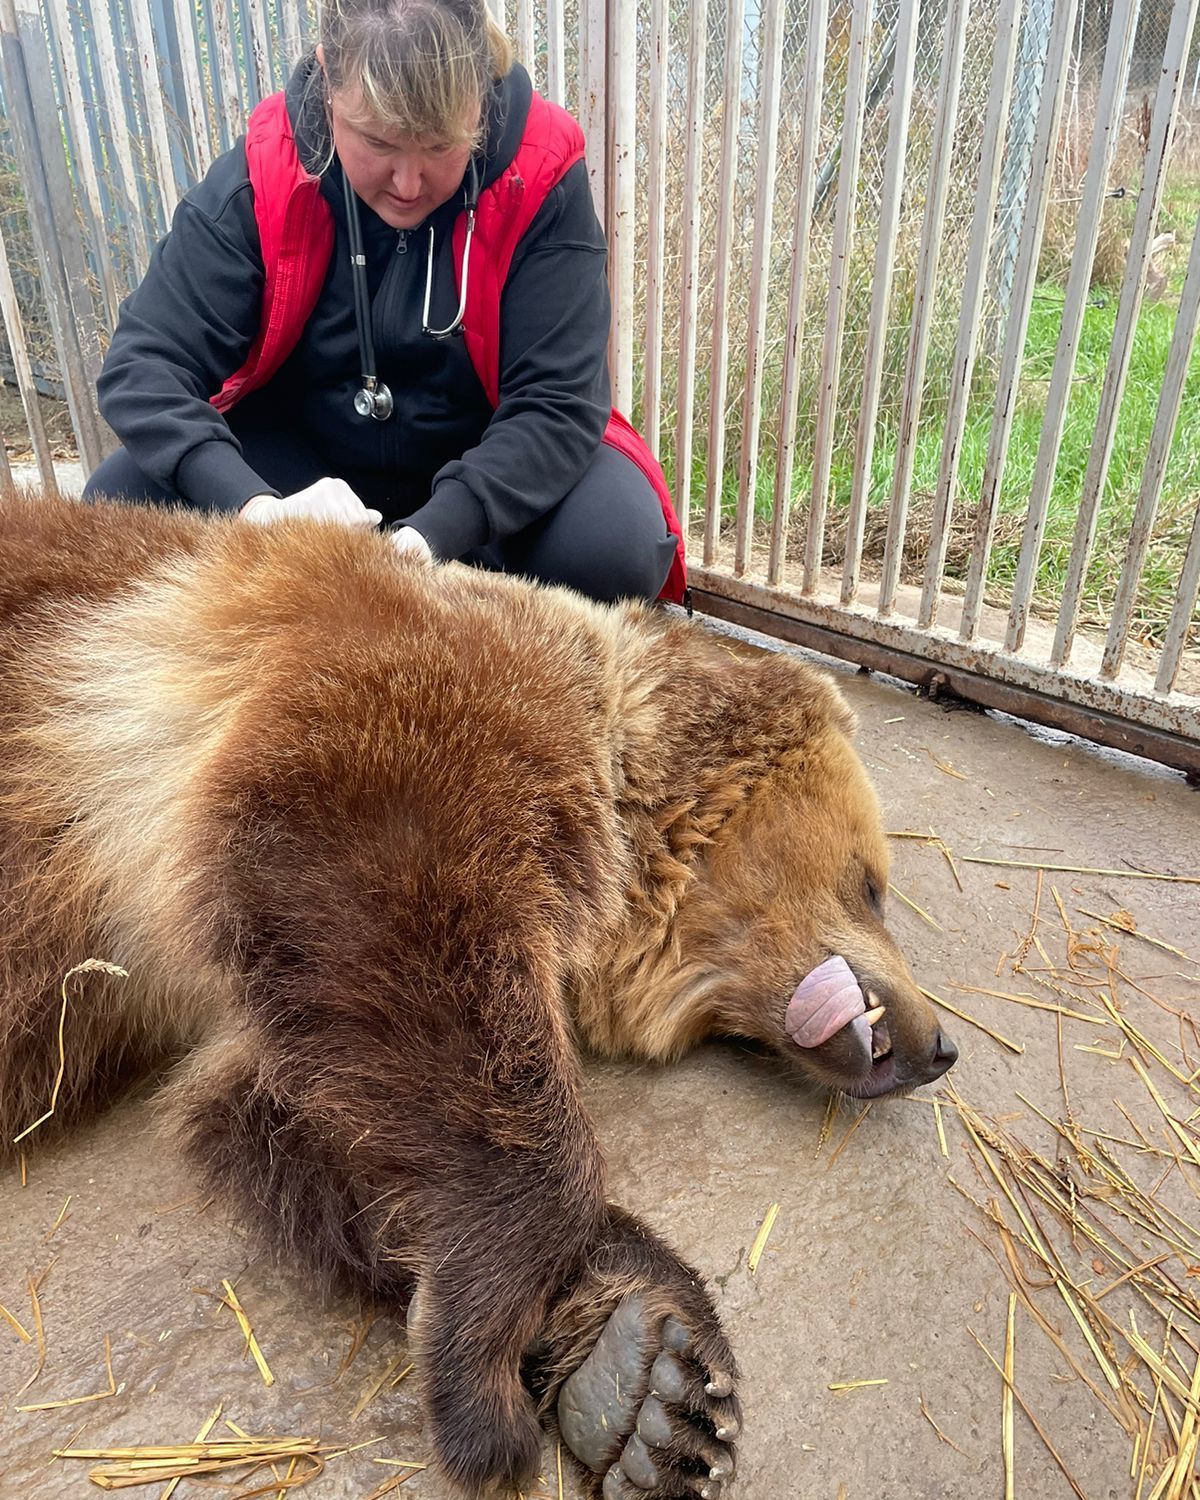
(373, 399)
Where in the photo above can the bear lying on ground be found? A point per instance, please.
(379, 845)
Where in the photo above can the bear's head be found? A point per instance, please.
(774, 929)
(787, 908)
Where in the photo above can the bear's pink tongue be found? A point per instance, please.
(823, 1002)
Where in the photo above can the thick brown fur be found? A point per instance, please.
(376, 843)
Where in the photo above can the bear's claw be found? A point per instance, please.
(645, 1412)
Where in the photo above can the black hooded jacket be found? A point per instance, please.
(461, 473)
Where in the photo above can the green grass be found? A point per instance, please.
(1177, 506)
(1130, 440)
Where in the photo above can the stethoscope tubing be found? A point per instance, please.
(374, 398)
(358, 278)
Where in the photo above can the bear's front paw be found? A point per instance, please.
(651, 1412)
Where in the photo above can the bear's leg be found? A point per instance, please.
(633, 1366)
(396, 1137)
(629, 1358)
(507, 1227)
(401, 965)
(289, 1181)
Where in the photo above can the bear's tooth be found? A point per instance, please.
(873, 1017)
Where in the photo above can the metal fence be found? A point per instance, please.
(876, 253)
(828, 265)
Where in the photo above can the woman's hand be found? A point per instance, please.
(409, 542)
(326, 500)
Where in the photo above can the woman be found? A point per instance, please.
(388, 304)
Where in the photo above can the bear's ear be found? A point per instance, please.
(813, 694)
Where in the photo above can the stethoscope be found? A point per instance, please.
(373, 398)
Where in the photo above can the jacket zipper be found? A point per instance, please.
(388, 295)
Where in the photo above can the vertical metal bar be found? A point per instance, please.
(1103, 144)
(257, 48)
(622, 70)
(171, 81)
(810, 126)
(949, 87)
(1181, 613)
(293, 41)
(771, 54)
(1154, 180)
(526, 37)
(656, 215)
(281, 67)
(693, 215)
(15, 332)
(310, 22)
(118, 134)
(243, 61)
(25, 65)
(556, 53)
(719, 364)
(1017, 179)
(1170, 398)
(193, 85)
(221, 42)
(85, 165)
(8, 485)
(159, 141)
(990, 162)
(209, 46)
(908, 20)
(593, 94)
(83, 36)
(1050, 109)
(278, 72)
(839, 287)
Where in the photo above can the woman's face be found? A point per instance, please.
(402, 179)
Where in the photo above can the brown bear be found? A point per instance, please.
(381, 847)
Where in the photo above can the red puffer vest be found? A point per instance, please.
(295, 227)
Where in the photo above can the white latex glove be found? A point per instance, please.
(409, 542)
(326, 500)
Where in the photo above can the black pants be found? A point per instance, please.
(606, 537)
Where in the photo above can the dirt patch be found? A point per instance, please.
(14, 429)
(919, 523)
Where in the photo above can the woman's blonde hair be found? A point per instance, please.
(425, 67)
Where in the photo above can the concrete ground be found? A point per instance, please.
(871, 1272)
(68, 473)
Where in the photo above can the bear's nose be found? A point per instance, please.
(945, 1055)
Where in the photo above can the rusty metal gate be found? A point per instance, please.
(909, 315)
(969, 188)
